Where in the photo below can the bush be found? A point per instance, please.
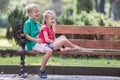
(17, 15)
(94, 19)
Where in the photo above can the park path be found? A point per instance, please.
(57, 77)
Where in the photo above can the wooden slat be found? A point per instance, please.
(88, 53)
(28, 52)
(77, 52)
(71, 29)
(105, 44)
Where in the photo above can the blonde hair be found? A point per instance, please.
(30, 7)
(47, 14)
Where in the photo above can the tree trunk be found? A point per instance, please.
(115, 9)
(102, 6)
(96, 5)
(110, 10)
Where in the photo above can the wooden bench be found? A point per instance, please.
(100, 47)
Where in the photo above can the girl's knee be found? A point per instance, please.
(64, 40)
(63, 37)
(48, 50)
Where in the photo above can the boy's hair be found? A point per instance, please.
(30, 7)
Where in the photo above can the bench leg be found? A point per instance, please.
(22, 65)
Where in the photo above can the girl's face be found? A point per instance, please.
(51, 20)
(35, 13)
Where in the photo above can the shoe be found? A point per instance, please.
(42, 74)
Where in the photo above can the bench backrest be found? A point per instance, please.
(91, 30)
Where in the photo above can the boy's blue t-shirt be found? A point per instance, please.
(32, 28)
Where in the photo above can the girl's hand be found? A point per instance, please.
(54, 23)
(53, 26)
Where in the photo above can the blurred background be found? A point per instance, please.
(69, 12)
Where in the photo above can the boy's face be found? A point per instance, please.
(35, 13)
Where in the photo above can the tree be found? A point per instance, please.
(96, 5)
(115, 9)
(99, 6)
(83, 5)
(102, 6)
(3, 4)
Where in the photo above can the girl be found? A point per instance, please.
(47, 34)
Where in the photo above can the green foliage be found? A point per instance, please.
(91, 19)
(94, 19)
(13, 17)
(65, 19)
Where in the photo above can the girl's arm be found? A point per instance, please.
(47, 38)
(53, 28)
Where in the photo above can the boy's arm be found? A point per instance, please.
(32, 39)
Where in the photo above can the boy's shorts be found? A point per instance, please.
(39, 47)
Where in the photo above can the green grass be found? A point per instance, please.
(4, 42)
(62, 61)
(2, 32)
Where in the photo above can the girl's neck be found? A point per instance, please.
(48, 25)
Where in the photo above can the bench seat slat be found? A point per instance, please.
(71, 29)
(100, 53)
(89, 53)
(28, 52)
(105, 44)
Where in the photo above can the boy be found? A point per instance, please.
(31, 30)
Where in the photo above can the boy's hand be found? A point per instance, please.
(22, 35)
(38, 40)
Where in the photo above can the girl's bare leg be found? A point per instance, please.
(62, 40)
(48, 53)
